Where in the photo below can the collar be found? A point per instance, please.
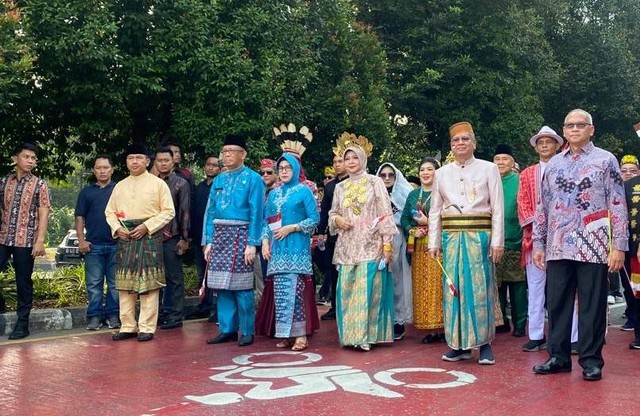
(108, 185)
(466, 162)
(25, 177)
(586, 149)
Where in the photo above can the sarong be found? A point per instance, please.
(364, 300)
(427, 288)
(139, 263)
(470, 317)
(227, 269)
(509, 269)
(289, 309)
(266, 313)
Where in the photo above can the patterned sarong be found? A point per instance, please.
(139, 263)
(227, 269)
(427, 288)
(364, 300)
(289, 299)
(470, 318)
(510, 269)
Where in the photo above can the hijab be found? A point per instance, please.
(362, 158)
(295, 173)
(401, 187)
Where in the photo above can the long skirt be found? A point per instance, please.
(289, 301)
(227, 269)
(139, 263)
(364, 300)
(427, 288)
(470, 317)
(266, 313)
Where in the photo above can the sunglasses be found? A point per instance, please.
(387, 175)
(266, 172)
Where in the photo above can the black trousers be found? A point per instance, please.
(23, 266)
(331, 272)
(206, 305)
(633, 303)
(173, 293)
(589, 280)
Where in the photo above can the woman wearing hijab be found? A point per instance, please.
(361, 216)
(425, 271)
(398, 189)
(290, 219)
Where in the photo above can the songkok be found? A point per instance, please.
(328, 170)
(629, 159)
(461, 127)
(136, 149)
(503, 149)
(235, 140)
(546, 131)
(267, 164)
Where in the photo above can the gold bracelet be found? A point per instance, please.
(386, 247)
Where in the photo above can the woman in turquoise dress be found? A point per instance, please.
(290, 220)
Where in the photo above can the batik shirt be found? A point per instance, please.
(21, 200)
(581, 195)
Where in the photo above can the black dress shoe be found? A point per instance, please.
(19, 332)
(517, 332)
(123, 335)
(145, 336)
(245, 340)
(197, 314)
(222, 337)
(329, 316)
(592, 373)
(171, 325)
(503, 329)
(552, 366)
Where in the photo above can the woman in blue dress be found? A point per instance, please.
(290, 219)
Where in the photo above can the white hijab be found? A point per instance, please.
(400, 190)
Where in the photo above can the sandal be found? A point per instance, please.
(285, 343)
(300, 344)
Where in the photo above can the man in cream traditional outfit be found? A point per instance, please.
(466, 224)
(139, 207)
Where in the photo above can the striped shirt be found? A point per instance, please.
(21, 200)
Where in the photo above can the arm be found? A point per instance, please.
(619, 216)
(525, 202)
(184, 221)
(308, 225)
(406, 220)
(325, 206)
(497, 208)
(256, 206)
(165, 214)
(83, 245)
(435, 222)
(43, 219)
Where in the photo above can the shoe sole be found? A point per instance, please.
(457, 358)
(626, 329)
(562, 370)
(486, 361)
(398, 337)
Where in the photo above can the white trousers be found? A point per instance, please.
(536, 281)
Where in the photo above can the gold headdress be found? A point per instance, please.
(450, 158)
(349, 139)
(292, 140)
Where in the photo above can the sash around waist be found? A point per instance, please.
(230, 222)
(466, 222)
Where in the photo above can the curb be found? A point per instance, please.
(45, 320)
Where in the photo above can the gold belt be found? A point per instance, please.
(466, 222)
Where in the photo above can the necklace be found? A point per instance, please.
(355, 194)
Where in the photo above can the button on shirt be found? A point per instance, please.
(21, 200)
(90, 205)
(581, 193)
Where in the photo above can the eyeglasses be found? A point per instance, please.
(230, 150)
(329, 177)
(387, 175)
(285, 169)
(579, 126)
(461, 139)
(266, 172)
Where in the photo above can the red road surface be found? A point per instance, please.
(89, 374)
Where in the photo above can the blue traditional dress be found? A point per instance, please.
(233, 221)
(292, 203)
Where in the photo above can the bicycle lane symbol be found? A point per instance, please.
(313, 379)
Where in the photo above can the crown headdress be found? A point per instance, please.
(349, 139)
(450, 158)
(292, 140)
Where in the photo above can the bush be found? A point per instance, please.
(61, 220)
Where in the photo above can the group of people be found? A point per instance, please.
(447, 254)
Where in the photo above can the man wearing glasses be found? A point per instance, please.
(232, 230)
(579, 234)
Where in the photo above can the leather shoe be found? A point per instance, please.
(245, 340)
(123, 335)
(329, 316)
(19, 332)
(222, 337)
(171, 325)
(552, 366)
(145, 336)
(592, 373)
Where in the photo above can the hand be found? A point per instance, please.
(282, 232)
(386, 255)
(266, 250)
(343, 223)
(38, 249)
(182, 246)
(420, 232)
(538, 260)
(615, 260)
(139, 232)
(84, 247)
(206, 251)
(249, 255)
(322, 237)
(122, 234)
(496, 254)
(421, 219)
(434, 253)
